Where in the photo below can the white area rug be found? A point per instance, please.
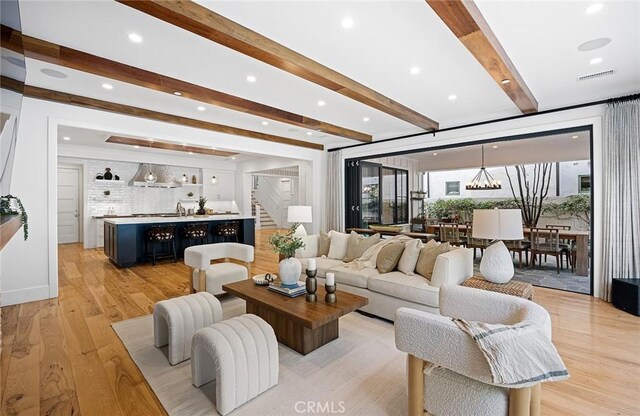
(360, 373)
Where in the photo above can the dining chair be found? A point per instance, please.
(518, 247)
(545, 242)
(476, 243)
(565, 244)
(450, 233)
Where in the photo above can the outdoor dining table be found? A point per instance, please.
(580, 237)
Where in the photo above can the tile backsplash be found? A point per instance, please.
(125, 199)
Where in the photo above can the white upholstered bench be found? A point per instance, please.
(176, 320)
(241, 354)
(209, 277)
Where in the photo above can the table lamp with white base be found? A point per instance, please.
(497, 225)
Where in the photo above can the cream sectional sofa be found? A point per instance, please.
(390, 291)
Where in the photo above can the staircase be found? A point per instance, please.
(266, 222)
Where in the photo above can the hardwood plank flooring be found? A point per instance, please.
(61, 357)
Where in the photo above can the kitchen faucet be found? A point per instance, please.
(180, 210)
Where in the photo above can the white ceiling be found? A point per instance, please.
(387, 39)
(552, 148)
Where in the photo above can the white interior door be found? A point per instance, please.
(68, 205)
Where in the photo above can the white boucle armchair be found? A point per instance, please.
(447, 373)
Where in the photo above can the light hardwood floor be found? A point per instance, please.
(61, 357)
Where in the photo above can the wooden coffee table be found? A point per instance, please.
(300, 325)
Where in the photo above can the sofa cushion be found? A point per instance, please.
(407, 263)
(310, 248)
(323, 244)
(412, 288)
(322, 265)
(358, 244)
(389, 256)
(428, 256)
(338, 246)
(351, 277)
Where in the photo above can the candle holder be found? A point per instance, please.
(312, 285)
(330, 297)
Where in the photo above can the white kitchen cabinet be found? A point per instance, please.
(98, 232)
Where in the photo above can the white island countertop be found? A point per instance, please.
(173, 220)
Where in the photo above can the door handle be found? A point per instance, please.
(353, 208)
(358, 208)
(76, 215)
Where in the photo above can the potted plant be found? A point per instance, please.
(11, 205)
(290, 267)
(107, 193)
(190, 194)
(201, 202)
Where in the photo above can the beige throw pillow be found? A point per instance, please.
(428, 256)
(323, 244)
(338, 246)
(407, 263)
(389, 257)
(358, 244)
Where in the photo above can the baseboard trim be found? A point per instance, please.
(31, 294)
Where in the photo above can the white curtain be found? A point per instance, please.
(621, 159)
(335, 192)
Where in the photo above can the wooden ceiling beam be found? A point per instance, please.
(81, 61)
(155, 144)
(466, 22)
(77, 100)
(201, 21)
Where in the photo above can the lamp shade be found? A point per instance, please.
(299, 213)
(497, 224)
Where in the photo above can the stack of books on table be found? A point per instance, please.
(290, 292)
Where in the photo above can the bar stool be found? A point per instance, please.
(159, 235)
(195, 233)
(227, 231)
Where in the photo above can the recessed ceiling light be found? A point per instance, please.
(594, 44)
(107, 86)
(574, 137)
(309, 133)
(347, 23)
(136, 147)
(213, 148)
(365, 118)
(53, 73)
(184, 144)
(233, 158)
(595, 61)
(594, 8)
(435, 153)
(495, 146)
(67, 138)
(135, 38)
(321, 103)
(414, 70)
(452, 97)
(265, 123)
(505, 81)
(178, 93)
(201, 108)
(251, 78)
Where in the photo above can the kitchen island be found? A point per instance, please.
(124, 236)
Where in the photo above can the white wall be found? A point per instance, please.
(587, 116)
(29, 270)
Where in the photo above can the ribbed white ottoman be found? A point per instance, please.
(241, 354)
(176, 320)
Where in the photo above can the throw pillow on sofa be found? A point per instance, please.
(324, 242)
(389, 257)
(358, 244)
(409, 259)
(428, 256)
(310, 248)
(338, 246)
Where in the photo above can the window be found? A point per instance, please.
(584, 183)
(452, 188)
(395, 207)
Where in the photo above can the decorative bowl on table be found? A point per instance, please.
(264, 279)
(386, 228)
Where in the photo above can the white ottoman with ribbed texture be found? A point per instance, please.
(241, 354)
(176, 320)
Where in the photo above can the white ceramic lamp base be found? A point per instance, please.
(496, 265)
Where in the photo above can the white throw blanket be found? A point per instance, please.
(519, 355)
(369, 257)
